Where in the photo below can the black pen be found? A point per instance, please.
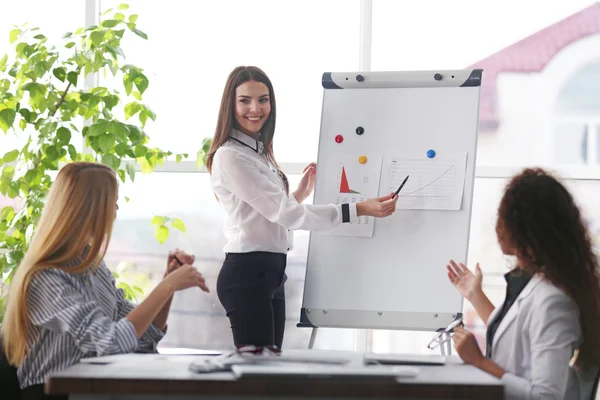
(177, 259)
(403, 182)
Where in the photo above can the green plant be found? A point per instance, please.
(42, 100)
(203, 152)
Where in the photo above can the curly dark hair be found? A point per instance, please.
(541, 223)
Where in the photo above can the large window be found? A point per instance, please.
(193, 46)
(577, 129)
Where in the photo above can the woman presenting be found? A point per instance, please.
(254, 193)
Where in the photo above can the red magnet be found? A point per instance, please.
(339, 139)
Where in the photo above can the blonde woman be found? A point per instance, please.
(63, 304)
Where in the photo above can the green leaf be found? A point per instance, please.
(123, 6)
(200, 159)
(178, 158)
(41, 68)
(178, 224)
(126, 199)
(137, 95)
(109, 23)
(206, 143)
(110, 101)
(161, 233)
(107, 142)
(157, 220)
(72, 152)
(25, 113)
(72, 78)
(122, 149)
(3, 61)
(140, 151)
(13, 190)
(63, 134)
(14, 35)
(7, 118)
(121, 174)
(100, 127)
(128, 86)
(60, 73)
(11, 156)
(120, 130)
(7, 214)
(107, 11)
(40, 36)
(131, 109)
(52, 153)
(22, 124)
(96, 37)
(119, 17)
(131, 171)
(141, 82)
(139, 33)
(133, 18)
(67, 35)
(69, 45)
(111, 161)
(143, 118)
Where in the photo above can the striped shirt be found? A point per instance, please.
(74, 316)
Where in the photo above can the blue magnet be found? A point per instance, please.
(430, 153)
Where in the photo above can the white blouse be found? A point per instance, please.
(260, 214)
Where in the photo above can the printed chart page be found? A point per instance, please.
(433, 184)
(352, 179)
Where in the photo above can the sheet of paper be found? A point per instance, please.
(349, 181)
(433, 184)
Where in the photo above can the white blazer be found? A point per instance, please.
(535, 342)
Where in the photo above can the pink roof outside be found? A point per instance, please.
(531, 55)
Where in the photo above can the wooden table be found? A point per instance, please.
(154, 377)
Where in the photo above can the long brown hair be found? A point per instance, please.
(226, 119)
(76, 224)
(542, 224)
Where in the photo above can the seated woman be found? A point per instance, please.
(544, 341)
(62, 304)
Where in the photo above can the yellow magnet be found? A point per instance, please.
(362, 159)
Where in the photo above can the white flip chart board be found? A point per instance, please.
(377, 128)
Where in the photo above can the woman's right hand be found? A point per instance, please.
(467, 283)
(380, 207)
(186, 277)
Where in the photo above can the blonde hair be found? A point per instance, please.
(79, 215)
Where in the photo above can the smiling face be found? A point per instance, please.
(252, 106)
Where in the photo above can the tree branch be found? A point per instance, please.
(61, 100)
(62, 97)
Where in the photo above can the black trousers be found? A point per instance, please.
(250, 287)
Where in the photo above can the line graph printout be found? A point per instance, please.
(349, 181)
(433, 184)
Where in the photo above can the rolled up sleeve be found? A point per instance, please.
(56, 304)
(149, 340)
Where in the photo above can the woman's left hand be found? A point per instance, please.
(175, 256)
(466, 346)
(307, 182)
